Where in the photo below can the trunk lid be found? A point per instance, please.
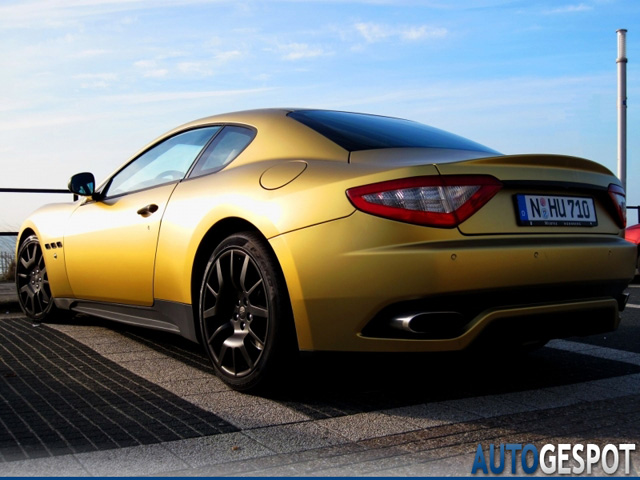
(525, 178)
(561, 180)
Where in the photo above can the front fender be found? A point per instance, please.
(48, 224)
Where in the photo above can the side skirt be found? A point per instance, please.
(166, 316)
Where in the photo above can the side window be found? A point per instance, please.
(227, 145)
(166, 162)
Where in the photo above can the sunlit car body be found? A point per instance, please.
(270, 231)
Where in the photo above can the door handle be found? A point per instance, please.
(148, 210)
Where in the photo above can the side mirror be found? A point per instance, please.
(83, 184)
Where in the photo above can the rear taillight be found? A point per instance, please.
(616, 192)
(436, 201)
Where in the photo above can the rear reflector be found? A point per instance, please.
(616, 192)
(436, 201)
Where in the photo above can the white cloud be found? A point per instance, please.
(172, 96)
(157, 73)
(195, 68)
(206, 68)
(226, 56)
(90, 53)
(376, 32)
(150, 69)
(373, 32)
(582, 7)
(96, 80)
(106, 107)
(299, 51)
(419, 33)
(45, 120)
(58, 13)
(8, 104)
(145, 64)
(163, 64)
(484, 96)
(96, 76)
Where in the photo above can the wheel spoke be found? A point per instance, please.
(25, 263)
(211, 312)
(219, 330)
(43, 295)
(243, 273)
(219, 275)
(233, 361)
(233, 280)
(223, 351)
(256, 340)
(257, 311)
(250, 291)
(28, 302)
(36, 299)
(247, 357)
(213, 292)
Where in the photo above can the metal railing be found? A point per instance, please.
(28, 190)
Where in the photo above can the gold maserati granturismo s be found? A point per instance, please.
(264, 233)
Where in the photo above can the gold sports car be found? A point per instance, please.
(268, 232)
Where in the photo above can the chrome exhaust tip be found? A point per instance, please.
(403, 323)
(424, 322)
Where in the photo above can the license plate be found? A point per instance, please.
(554, 210)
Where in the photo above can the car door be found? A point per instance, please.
(110, 243)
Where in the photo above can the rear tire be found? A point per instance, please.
(32, 281)
(245, 314)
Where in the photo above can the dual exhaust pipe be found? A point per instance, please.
(426, 322)
(423, 323)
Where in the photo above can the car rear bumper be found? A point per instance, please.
(344, 276)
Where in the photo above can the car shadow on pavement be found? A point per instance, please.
(331, 384)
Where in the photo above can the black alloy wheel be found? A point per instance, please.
(32, 280)
(244, 313)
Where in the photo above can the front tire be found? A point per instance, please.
(32, 281)
(245, 314)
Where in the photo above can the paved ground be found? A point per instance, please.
(89, 397)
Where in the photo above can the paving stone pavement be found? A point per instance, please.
(94, 398)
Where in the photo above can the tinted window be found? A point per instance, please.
(167, 162)
(357, 131)
(227, 145)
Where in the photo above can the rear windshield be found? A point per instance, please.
(358, 131)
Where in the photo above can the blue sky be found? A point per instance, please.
(86, 83)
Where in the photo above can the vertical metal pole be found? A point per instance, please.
(622, 108)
